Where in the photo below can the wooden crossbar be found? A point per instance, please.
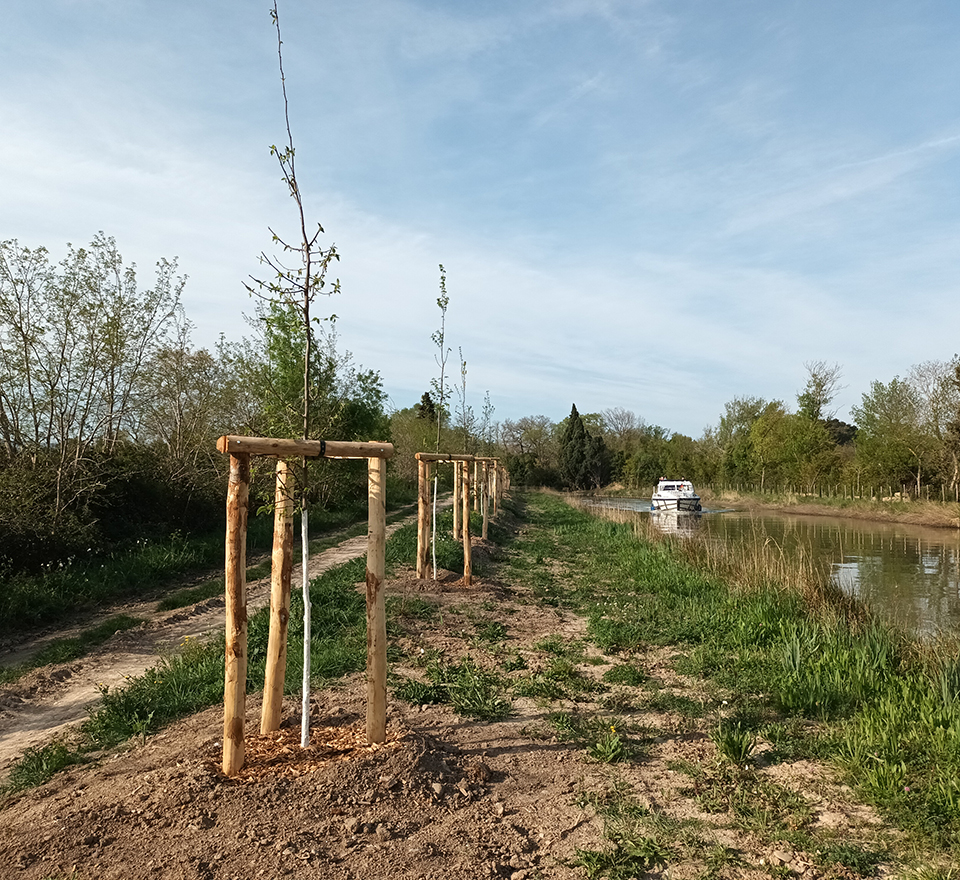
(236, 444)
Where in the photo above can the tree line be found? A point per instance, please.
(109, 413)
(906, 439)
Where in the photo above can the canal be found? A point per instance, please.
(910, 574)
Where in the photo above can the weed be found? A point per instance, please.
(609, 746)
(625, 673)
(850, 855)
(733, 742)
(491, 631)
(514, 662)
(626, 824)
(628, 858)
(37, 766)
(467, 687)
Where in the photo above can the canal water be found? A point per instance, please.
(909, 573)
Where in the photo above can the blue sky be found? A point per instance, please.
(654, 205)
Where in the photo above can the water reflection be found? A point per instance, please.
(672, 522)
(909, 573)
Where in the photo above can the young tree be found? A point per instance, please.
(439, 338)
(295, 287)
(466, 420)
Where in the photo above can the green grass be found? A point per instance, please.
(38, 765)
(469, 689)
(885, 710)
(57, 592)
(635, 843)
(191, 678)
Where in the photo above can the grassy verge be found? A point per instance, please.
(191, 679)
(28, 601)
(214, 587)
(805, 668)
(917, 512)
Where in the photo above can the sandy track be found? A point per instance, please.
(46, 702)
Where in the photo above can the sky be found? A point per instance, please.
(658, 206)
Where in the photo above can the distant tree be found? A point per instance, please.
(823, 383)
(891, 441)
(952, 429)
(574, 444)
(738, 461)
(426, 409)
(597, 462)
(842, 433)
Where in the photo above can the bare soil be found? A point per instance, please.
(446, 798)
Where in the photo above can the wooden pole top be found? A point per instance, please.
(236, 444)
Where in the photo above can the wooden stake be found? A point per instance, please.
(280, 571)
(376, 616)
(476, 486)
(423, 517)
(485, 500)
(235, 597)
(467, 563)
(456, 502)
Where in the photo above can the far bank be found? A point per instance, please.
(934, 514)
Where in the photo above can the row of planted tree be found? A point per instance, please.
(109, 414)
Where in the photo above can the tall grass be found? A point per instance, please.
(774, 631)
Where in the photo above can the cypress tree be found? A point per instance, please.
(573, 452)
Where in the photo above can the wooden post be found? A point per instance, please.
(423, 516)
(235, 580)
(467, 563)
(280, 571)
(496, 486)
(476, 485)
(485, 500)
(456, 501)
(376, 616)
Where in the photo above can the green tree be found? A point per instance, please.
(890, 440)
(823, 384)
(75, 343)
(573, 452)
(732, 435)
(767, 437)
(597, 462)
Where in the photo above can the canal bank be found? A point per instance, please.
(806, 671)
(921, 513)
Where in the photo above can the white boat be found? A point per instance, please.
(675, 495)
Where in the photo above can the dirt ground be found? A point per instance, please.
(445, 798)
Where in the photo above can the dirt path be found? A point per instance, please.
(447, 797)
(47, 701)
